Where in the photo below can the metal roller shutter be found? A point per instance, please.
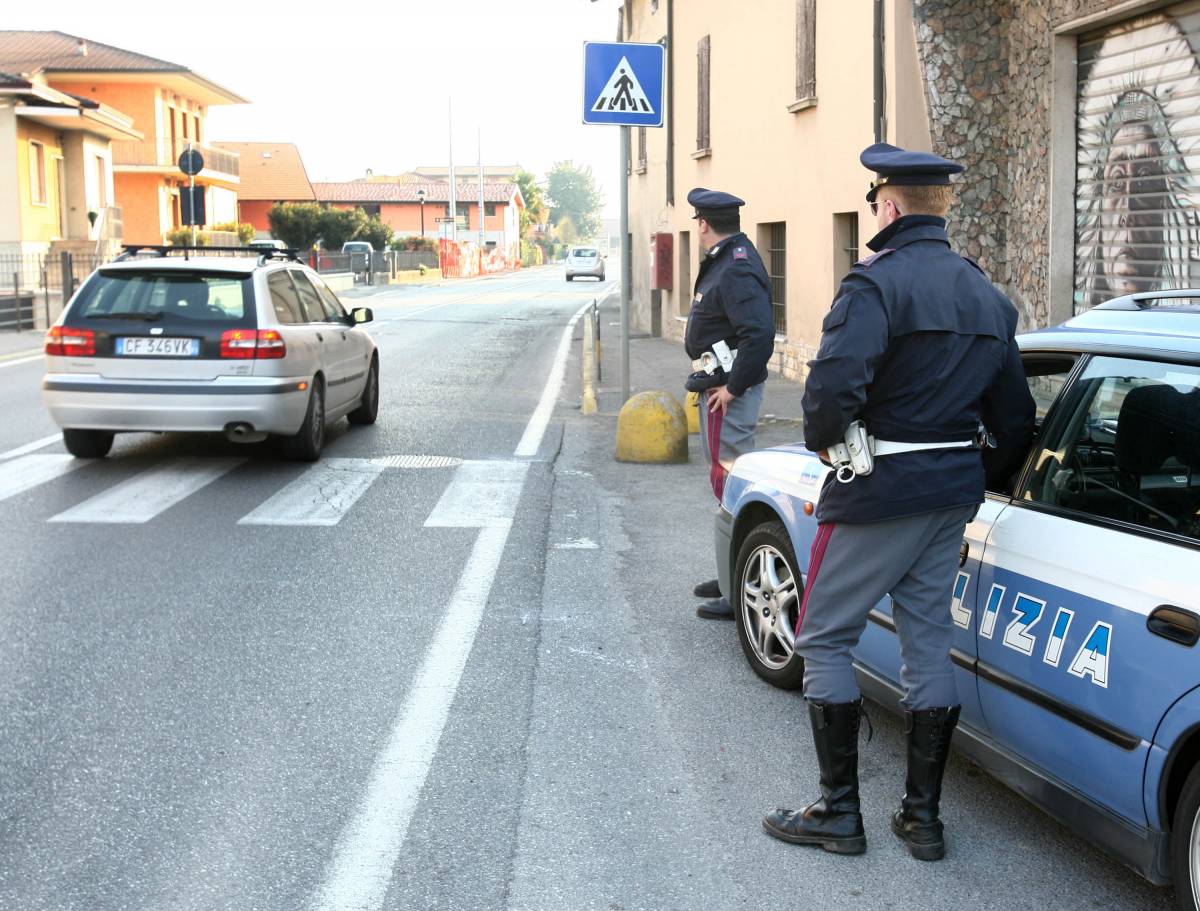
(1138, 157)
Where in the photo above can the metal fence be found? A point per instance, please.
(385, 261)
(33, 287)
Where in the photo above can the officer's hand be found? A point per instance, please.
(719, 399)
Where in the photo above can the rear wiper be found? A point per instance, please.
(142, 317)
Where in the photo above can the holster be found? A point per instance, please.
(700, 380)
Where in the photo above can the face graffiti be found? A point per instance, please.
(1131, 219)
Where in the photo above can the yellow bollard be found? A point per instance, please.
(587, 404)
(652, 428)
(691, 407)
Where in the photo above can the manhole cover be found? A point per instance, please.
(417, 461)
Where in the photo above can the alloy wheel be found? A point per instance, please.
(770, 607)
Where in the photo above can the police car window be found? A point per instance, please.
(1125, 445)
(1046, 375)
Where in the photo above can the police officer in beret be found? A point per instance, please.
(730, 337)
(919, 347)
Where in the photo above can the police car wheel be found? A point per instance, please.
(767, 591)
(1185, 845)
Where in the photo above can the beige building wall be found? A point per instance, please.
(793, 164)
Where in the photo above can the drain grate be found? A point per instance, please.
(417, 461)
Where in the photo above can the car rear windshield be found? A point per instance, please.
(584, 253)
(166, 298)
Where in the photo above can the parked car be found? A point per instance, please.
(585, 261)
(248, 346)
(267, 243)
(1077, 607)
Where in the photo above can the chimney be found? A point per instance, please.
(81, 48)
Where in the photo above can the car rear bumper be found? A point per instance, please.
(93, 402)
(593, 273)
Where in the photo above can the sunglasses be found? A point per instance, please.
(875, 207)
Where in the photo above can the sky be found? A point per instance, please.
(368, 85)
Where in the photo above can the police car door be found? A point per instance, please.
(1088, 581)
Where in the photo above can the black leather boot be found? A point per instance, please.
(916, 822)
(834, 822)
(709, 590)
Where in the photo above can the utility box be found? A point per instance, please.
(662, 256)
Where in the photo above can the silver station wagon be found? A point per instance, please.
(165, 340)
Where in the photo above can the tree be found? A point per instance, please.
(296, 224)
(572, 193)
(378, 234)
(534, 212)
(565, 231)
(340, 225)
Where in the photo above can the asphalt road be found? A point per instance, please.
(479, 688)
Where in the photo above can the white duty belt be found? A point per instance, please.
(721, 355)
(855, 455)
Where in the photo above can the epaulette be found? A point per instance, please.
(867, 262)
(976, 265)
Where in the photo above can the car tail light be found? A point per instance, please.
(252, 343)
(67, 342)
(270, 344)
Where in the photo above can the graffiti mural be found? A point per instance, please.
(1138, 164)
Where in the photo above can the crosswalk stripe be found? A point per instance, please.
(21, 474)
(154, 490)
(320, 496)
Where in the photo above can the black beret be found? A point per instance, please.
(901, 168)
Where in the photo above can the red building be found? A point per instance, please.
(271, 172)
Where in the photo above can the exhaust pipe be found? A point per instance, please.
(241, 432)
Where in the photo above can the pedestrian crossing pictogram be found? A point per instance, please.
(623, 92)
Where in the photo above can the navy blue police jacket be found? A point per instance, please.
(732, 303)
(919, 345)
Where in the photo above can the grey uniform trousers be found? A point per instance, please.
(724, 437)
(852, 567)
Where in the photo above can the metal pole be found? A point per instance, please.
(17, 297)
(626, 264)
(482, 227)
(453, 186)
(192, 199)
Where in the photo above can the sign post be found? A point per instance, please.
(191, 163)
(623, 85)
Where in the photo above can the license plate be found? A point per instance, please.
(158, 347)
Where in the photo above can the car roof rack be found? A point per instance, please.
(130, 251)
(1184, 299)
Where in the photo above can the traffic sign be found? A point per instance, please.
(191, 162)
(623, 83)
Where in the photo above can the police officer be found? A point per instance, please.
(919, 346)
(731, 336)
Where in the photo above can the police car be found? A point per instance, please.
(1077, 602)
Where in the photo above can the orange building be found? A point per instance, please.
(271, 172)
(404, 206)
(56, 181)
(169, 106)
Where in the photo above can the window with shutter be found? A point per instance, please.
(703, 81)
(806, 55)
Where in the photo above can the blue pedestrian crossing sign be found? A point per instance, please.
(623, 83)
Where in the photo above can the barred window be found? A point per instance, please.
(773, 238)
(703, 81)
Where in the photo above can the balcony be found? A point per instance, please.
(164, 154)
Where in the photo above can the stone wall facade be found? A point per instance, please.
(988, 68)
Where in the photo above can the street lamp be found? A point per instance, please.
(421, 197)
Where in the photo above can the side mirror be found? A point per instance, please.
(362, 315)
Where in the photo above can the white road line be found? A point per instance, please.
(154, 490)
(482, 495)
(365, 855)
(531, 439)
(23, 360)
(29, 471)
(320, 496)
(31, 447)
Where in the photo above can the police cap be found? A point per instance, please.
(714, 203)
(900, 168)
